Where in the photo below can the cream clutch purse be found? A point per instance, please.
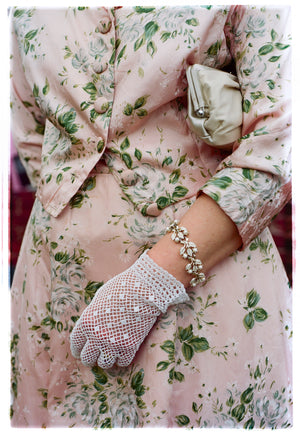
(214, 105)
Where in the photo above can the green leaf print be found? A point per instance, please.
(272, 99)
(136, 384)
(121, 54)
(274, 58)
(185, 334)
(246, 106)
(139, 42)
(261, 131)
(76, 200)
(84, 105)
(27, 103)
(192, 22)
(142, 113)
(89, 184)
(271, 84)
(163, 202)
(249, 425)
(257, 95)
(265, 49)
(39, 128)
(239, 412)
(167, 161)
(273, 35)
(35, 90)
(141, 72)
(260, 314)
(190, 343)
(138, 154)
(141, 101)
(90, 88)
(137, 379)
(46, 87)
(151, 48)
(19, 12)
(179, 192)
(59, 178)
(281, 46)
(248, 321)
(128, 110)
(252, 298)
(90, 290)
(162, 365)
(62, 257)
(127, 160)
(100, 145)
(66, 121)
(182, 420)
(214, 48)
(199, 344)
(168, 347)
(100, 375)
(30, 35)
(187, 351)
(178, 376)
(222, 182)
(248, 173)
(165, 36)
(106, 423)
(143, 10)
(150, 29)
(215, 196)
(174, 176)
(125, 144)
(247, 395)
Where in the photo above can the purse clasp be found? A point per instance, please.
(202, 112)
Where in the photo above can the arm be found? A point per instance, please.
(214, 233)
(253, 183)
(27, 121)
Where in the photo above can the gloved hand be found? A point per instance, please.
(122, 312)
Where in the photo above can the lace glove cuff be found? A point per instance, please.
(166, 289)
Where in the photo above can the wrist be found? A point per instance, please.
(166, 253)
(165, 289)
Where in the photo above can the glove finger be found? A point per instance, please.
(90, 353)
(106, 359)
(77, 340)
(125, 359)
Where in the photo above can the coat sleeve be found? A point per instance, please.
(253, 183)
(27, 121)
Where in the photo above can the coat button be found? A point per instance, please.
(101, 105)
(152, 210)
(104, 25)
(129, 178)
(99, 67)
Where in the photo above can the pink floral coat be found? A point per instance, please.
(99, 112)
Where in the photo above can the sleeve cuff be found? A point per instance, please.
(249, 197)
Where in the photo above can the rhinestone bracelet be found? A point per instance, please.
(188, 251)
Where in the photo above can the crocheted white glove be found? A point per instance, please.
(122, 312)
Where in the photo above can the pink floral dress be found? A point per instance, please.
(99, 107)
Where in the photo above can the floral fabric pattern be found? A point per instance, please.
(99, 119)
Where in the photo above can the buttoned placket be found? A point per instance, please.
(102, 67)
